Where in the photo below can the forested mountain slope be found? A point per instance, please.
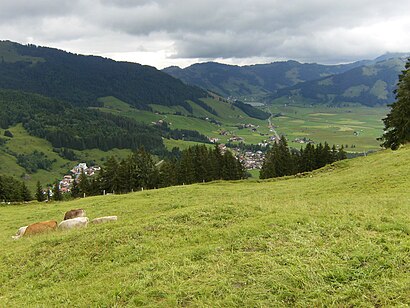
(81, 80)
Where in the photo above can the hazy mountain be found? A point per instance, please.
(369, 82)
(258, 80)
(369, 85)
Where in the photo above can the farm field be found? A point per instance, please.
(336, 237)
(356, 125)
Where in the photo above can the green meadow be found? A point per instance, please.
(336, 237)
(355, 125)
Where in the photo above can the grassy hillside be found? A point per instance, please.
(228, 116)
(23, 143)
(337, 237)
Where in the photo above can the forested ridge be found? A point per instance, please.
(79, 128)
(81, 80)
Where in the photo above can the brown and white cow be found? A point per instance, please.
(40, 227)
(19, 233)
(101, 220)
(78, 222)
(74, 213)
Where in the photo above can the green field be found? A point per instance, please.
(337, 237)
(356, 125)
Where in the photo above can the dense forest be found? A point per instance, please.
(282, 161)
(251, 111)
(81, 80)
(65, 126)
(12, 190)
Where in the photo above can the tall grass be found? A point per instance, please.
(336, 237)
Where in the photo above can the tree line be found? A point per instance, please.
(12, 190)
(139, 171)
(282, 161)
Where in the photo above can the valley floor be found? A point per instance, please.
(336, 237)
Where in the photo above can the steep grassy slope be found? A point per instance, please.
(337, 237)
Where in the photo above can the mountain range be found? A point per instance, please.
(368, 82)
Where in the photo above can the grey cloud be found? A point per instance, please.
(314, 29)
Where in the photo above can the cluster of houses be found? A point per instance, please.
(235, 138)
(304, 140)
(67, 182)
(252, 160)
(251, 126)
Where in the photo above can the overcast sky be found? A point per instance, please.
(181, 32)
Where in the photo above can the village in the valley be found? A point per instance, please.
(251, 159)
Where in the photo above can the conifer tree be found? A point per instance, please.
(397, 122)
(83, 184)
(341, 154)
(57, 195)
(168, 173)
(109, 176)
(75, 190)
(146, 170)
(25, 192)
(39, 192)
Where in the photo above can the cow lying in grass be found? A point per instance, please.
(19, 233)
(78, 222)
(74, 213)
(101, 220)
(51, 225)
(36, 228)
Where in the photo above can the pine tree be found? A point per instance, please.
(168, 174)
(25, 192)
(75, 190)
(148, 175)
(397, 122)
(269, 169)
(39, 192)
(308, 161)
(83, 184)
(109, 176)
(341, 154)
(57, 195)
(215, 163)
